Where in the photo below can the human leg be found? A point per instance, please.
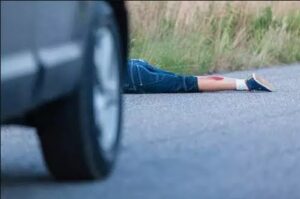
(145, 78)
(219, 83)
(215, 83)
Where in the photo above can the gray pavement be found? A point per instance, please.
(209, 145)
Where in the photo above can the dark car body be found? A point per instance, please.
(42, 49)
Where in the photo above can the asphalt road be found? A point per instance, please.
(209, 145)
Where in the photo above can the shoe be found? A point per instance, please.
(257, 83)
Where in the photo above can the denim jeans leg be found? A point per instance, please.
(149, 79)
(173, 84)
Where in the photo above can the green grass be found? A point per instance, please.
(214, 43)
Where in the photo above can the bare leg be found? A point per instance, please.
(215, 83)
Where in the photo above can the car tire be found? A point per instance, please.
(80, 133)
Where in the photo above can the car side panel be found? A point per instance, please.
(59, 51)
(17, 26)
(50, 36)
(19, 67)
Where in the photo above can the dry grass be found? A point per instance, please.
(207, 36)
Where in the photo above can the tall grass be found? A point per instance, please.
(201, 37)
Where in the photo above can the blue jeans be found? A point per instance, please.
(142, 77)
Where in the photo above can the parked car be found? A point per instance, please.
(62, 66)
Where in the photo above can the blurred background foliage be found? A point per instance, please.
(210, 36)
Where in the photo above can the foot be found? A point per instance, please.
(257, 83)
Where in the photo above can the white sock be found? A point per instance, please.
(241, 85)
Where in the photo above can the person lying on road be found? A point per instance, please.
(142, 77)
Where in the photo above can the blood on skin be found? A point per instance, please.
(215, 78)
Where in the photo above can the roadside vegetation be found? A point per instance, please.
(206, 37)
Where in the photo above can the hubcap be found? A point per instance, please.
(106, 89)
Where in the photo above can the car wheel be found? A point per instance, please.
(80, 133)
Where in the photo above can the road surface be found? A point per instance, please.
(208, 145)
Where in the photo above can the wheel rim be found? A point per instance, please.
(106, 89)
